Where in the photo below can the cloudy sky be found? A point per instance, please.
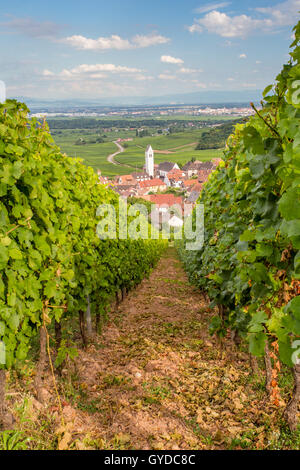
(97, 48)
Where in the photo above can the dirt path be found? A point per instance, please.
(171, 150)
(111, 157)
(155, 379)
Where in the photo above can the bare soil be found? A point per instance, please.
(161, 381)
(155, 379)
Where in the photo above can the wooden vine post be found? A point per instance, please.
(2, 395)
(42, 357)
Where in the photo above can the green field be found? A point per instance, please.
(174, 117)
(95, 154)
(134, 155)
(165, 142)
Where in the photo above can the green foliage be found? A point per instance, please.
(65, 352)
(51, 258)
(249, 263)
(143, 133)
(215, 138)
(138, 200)
(13, 440)
(125, 123)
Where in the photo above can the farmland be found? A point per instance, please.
(94, 155)
(177, 146)
(135, 156)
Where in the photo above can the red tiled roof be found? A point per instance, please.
(126, 179)
(151, 183)
(197, 187)
(142, 192)
(189, 183)
(165, 199)
(176, 171)
(176, 175)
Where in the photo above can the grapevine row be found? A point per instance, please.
(249, 266)
(52, 263)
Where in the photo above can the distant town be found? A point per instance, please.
(188, 140)
(233, 110)
(164, 185)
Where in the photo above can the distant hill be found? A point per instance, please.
(196, 98)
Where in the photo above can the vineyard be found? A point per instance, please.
(249, 267)
(104, 344)
(53, 264)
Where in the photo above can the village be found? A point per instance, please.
(164, 185)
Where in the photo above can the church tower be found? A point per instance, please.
(149, 156)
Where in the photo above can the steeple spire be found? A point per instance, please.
(149, 157)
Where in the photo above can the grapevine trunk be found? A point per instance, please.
(88, 318)
(82, 328)
(290, 412)
(58, 335)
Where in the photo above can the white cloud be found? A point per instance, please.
(170, 60)
(249, 85)
(147, 41)
(188, 71)
(282, 14)
(85, 68)
(211, 6)
(242, 56)
(226, 26)
(81, 42)
(114, 42)
(83, 88)
(142, 78)
(47, 73)
(92, 71)
(164, 76)
(258, 62)
(195, 28)
(201, 85)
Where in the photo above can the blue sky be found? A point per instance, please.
(97, 48)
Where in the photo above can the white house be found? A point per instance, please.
(165, 167)
(175, 222)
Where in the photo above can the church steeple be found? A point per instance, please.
(149, 157)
